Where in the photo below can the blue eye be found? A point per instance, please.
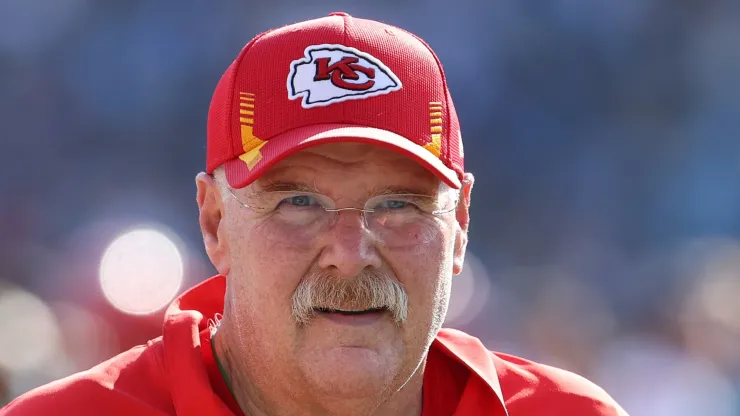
(300, 201)
(393, 204)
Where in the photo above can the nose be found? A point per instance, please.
(348, 246)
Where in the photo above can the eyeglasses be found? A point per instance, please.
(397, 220)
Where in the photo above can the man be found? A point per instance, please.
(335, 209)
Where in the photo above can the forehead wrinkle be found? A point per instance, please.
(380, 171)
(293, 186)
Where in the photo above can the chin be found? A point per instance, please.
(350, 372)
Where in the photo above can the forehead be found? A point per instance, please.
(351, 163)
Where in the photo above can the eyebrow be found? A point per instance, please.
(395, 190)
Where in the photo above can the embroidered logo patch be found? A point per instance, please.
(330, 74)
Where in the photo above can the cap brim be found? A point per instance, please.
(241, 173)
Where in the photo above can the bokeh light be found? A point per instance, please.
(141, 271)
(30, 331)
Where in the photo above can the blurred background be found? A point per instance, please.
(604, 136)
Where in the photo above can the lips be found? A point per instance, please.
(351, 312)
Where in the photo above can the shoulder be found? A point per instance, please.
(528, 386)
(133, 382)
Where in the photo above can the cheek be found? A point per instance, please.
(426, 272)
(263, 275)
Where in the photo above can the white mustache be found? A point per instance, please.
(369, 290)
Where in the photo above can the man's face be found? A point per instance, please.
(268, 261)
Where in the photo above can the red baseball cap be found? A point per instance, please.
(333, 79)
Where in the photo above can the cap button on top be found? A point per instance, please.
(338, 14)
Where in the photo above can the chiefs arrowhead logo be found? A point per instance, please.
(330, 74)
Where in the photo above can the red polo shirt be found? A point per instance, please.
(176, 374)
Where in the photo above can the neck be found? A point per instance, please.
(277, 395)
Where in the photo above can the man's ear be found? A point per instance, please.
(211, 207)
(463, 221)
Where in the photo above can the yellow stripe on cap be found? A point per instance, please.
(251, 144)
(435, 121)
(252, 157)
(435, 145)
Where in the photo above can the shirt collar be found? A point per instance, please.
(471, 352)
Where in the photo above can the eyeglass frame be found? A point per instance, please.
(337, 210)
(363, 211)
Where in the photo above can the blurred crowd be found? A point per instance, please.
(604, 136)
